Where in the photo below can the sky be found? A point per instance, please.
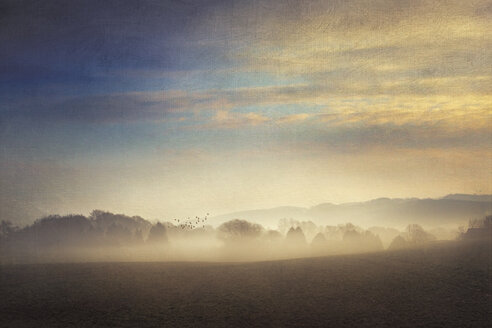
(178, 108)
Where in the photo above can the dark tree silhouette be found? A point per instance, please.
(296, 236)
(319, 240)
(7, 228)
(416, 235)
(118, 235)
(479, 229)
(239, 230)
(398, 243)
(157, 234)
(273, 236)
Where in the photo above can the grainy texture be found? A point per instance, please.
(447, 285)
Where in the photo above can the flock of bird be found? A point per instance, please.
(192, 224)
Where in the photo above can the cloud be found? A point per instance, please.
(335, 51)
(374, 48)
(230, 120)
(293, 118)
(147, 106)
(400, 73)
(366, 137)
(113, 108)
(341, 124)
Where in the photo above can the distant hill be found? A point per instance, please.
(267, 217)
(455, 209)
(474, 198)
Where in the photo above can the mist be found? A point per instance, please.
(104, 236)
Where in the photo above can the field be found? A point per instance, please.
(446, 285)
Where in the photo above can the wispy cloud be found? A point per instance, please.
(229, 120)
(294, 118)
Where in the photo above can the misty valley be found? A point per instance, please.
(104, 236)
(113, 270)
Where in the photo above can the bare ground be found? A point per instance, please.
(446, 285)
